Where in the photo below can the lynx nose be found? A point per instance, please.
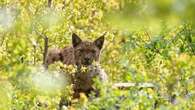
(87, 61)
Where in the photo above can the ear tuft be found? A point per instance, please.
(75, 40)
(99, 42)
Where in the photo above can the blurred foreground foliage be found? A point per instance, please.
(146, 41)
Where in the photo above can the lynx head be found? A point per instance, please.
(85, 52)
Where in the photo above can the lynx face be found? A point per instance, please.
(86, 52)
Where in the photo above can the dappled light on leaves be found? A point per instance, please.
(7, 16)
(48, 81)
(5, 94)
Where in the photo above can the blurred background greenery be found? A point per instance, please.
(150, 14)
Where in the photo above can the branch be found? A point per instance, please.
(45, 50)
(3, 39)
(45, 46)
(34, 53)
(64, 3)
(128, 85)
(49, 3)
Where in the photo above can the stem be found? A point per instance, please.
(49, 3)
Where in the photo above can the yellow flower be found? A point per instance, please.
(150, 91)
(84, 69)
(83, 99)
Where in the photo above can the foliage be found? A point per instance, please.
(146, 41)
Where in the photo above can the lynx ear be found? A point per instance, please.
(99, 42)
(75, 40)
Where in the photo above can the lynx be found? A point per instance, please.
(81, 53)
